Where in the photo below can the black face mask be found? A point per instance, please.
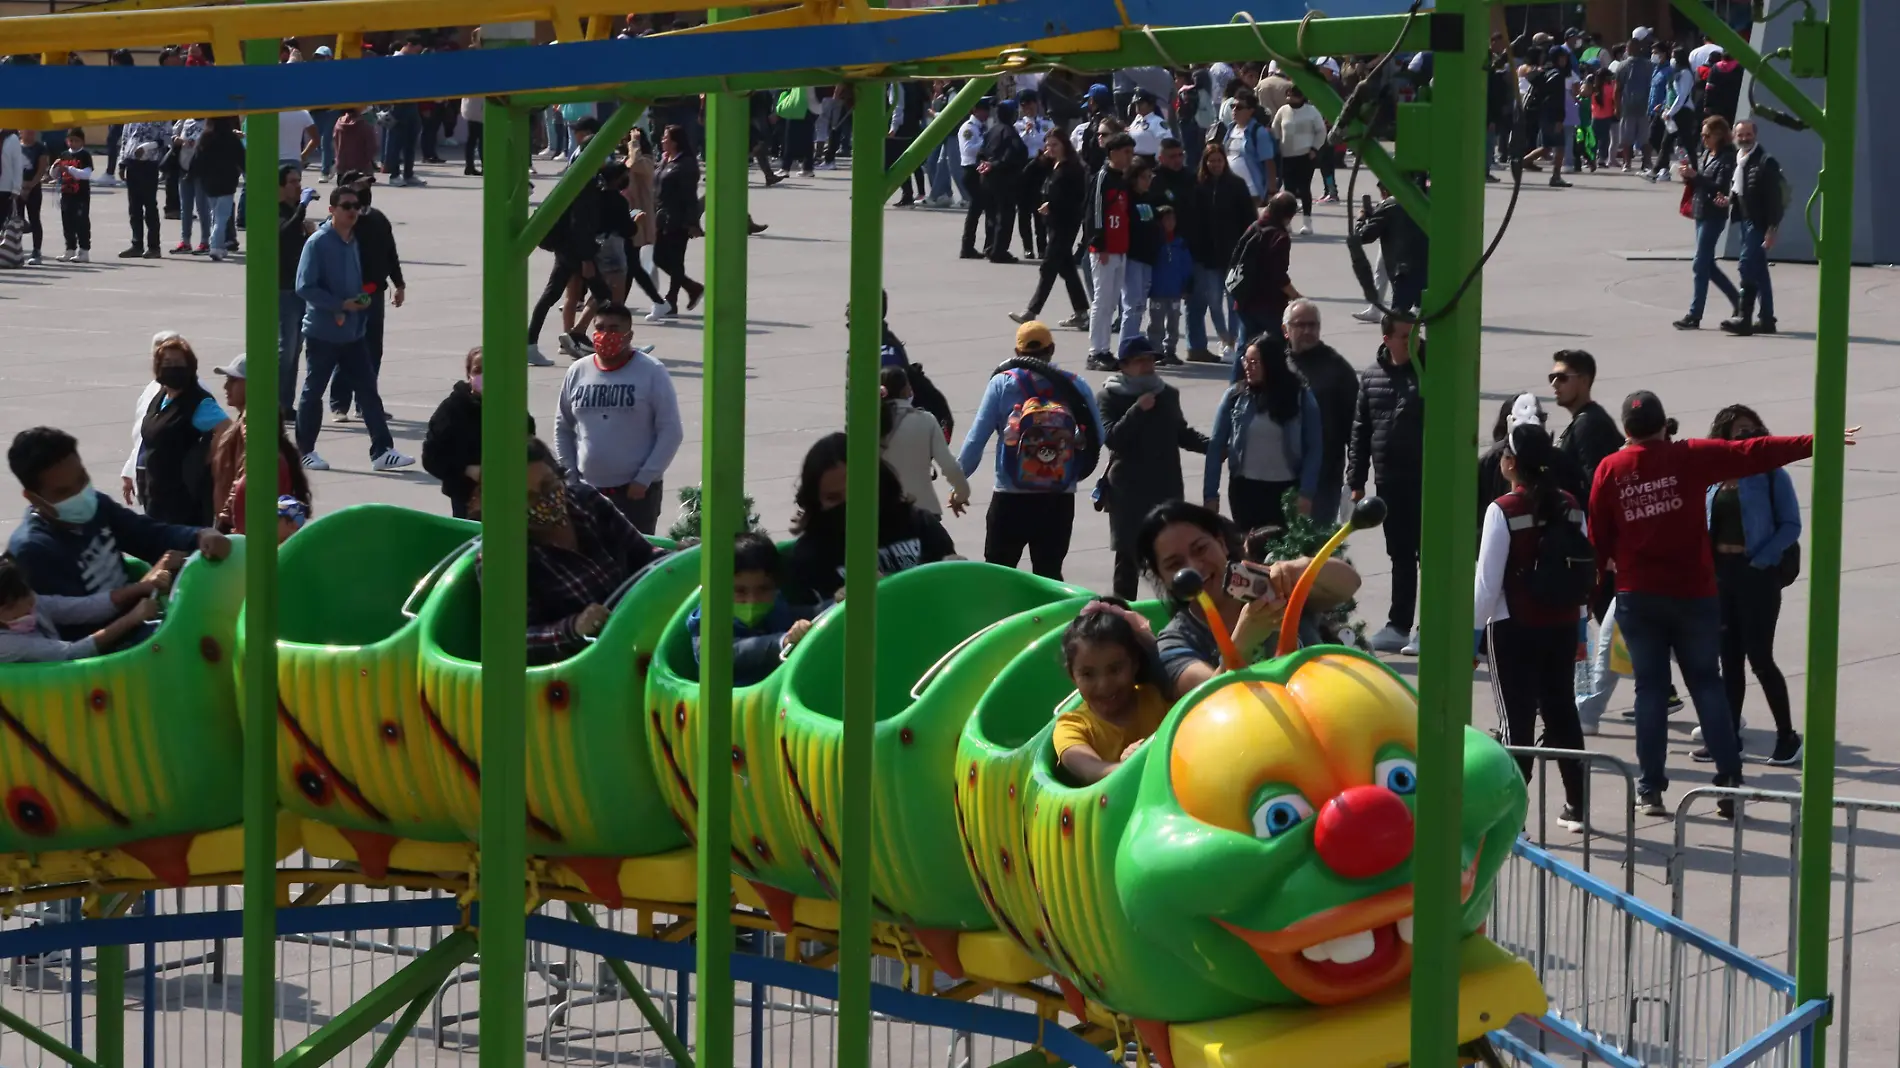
(176, 377)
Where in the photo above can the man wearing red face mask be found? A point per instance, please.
(618, 421)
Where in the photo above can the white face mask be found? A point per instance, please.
(77, 510)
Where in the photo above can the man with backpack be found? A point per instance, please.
(1756, 201)
(1258, 277)
(1050, 439)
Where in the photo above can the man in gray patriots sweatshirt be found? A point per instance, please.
(617, 425)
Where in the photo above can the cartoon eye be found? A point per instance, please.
(1398, 775)
(1280, 814)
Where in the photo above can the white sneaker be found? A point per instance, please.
(1389, 640)
(414, 181)
(313, 462)
(569, 348)
(536, 358)
(342, 417)
(1411, 644)
(390, 461)
(1305, 230)
(940, 201)
(1696, 735)
(396, 179)
(1367, 314)
(68, 256)
(661, 313)
(82, 256)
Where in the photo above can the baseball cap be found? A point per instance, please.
(1027, 96)
(1098, 89)
(234, 369)
(1643, 414)
(1034, 339)
(984, 102)
(353, 177)
(1139, 345)
(325, 50)
(1641, 33)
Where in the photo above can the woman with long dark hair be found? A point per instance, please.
(678, 219)
(1223, 209)
(1063, 192)
(1533, 641)
(907, 536)
(1754, 525)
(1267, 433)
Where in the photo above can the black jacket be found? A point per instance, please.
(1335, 387)
(1591, 436)
(1760, 202)
(676, 200)
(1401, 240)
(1065, 189)
(1722, 93)
(1388, 430)
(376, 243)
(453, 442)
(1714, 171)
(1174, 189)
(1004, 151)
(1223, 209)
(290, 239)
(219, 163)
(1144, 460)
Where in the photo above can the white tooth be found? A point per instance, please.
(1317, 953)
(1353, 948)
(1405, 930)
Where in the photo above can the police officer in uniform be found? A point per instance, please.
(969, 146)
(1034, 129)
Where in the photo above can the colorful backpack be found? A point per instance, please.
(1044, 443)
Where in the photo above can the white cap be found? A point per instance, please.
(1641, 33)
(1526, 410)
(324, 50)
(235, 369)
(1273, 67)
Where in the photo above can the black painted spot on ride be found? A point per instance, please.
(31, 812)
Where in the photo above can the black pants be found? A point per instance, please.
(1127, 582)
(1255, 504)
(1751, 606)
(1040, 522)
(1296, 172)
(75, 219)
(34, 229)
(141, 201)
(979, 199)
(171, 174)
(565, 267)
(1034, 227)
(1402, 518)
(669, 255)
(431, 126)
(1532, 676)
(999, 214)
(1328, 160)
(640, 277)
(1056, 260)
(472, 146)
(644, 513)
(893, 148)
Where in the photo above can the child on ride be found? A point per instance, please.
(764, 625)
(1109, 652)
(29, 623)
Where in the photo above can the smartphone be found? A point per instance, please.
(1248, 581)
(1365, 203)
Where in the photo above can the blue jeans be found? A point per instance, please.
(221, 208)
(289, 344)
(1208, 297)
(1137, 278)
(1754, 267)
(326, 137)
(1708, 234)
(192, 201)
(1654, 626)
(399, 143)
(557, 130)
(942, 175)
(1600, 684)
(349, 360)
(342, 390)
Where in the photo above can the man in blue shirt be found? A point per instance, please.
(1050, 439)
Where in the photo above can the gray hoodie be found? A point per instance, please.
(619, 426)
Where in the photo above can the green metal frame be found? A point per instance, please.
(1454, 215)
(38, 1037)
(413, 986)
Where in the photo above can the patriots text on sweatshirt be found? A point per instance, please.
(619, 426)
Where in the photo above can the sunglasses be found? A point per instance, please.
(1562, 376)
(347, 205)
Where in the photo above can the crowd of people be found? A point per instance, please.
(1182, 200)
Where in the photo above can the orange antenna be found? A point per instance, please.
(1366, 514)
(1188, 585)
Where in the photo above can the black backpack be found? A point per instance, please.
(1242, 277)
(1564, 574)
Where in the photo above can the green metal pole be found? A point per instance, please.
(860, 573)
(579, 173)
(399, 1031)
(109, 998)
(942, 126)
(1450, 380)
(1824, 539)
(656, 1019)
(27, 1030)
(1370, 151)
(416, 982)
(722, 463)
(258, 1037)
(504, 588)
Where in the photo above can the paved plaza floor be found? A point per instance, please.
(1602, 266)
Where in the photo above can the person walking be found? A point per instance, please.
(1059, 207)
(1300, 131)
(1645, 527)
(1754, 529)
(1267, 431)
(1633, 80)
(677, 194)
(382, 280)
(913, 445)
(1756, 203)
(1145, 433)
(1677, 111)
(1335, 387)
(330, 283)
(293, 229)
(1222, 211)
(1388, 440)
(1592, 433)
(1049, 439)
(473, 112)
(1710, 182)
(1001, 163)
(1260, 278)
(1404, 250)
(1035, 130)
(1250, 148)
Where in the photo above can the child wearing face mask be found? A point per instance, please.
(452, 446)
(29, 623)
(617, 422)
(765, 626)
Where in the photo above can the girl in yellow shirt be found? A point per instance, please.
(1109, 653)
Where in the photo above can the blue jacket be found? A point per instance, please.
(329, 272)
(1771, 516)
(1659, 82)
(755, 649)
(992, 416)
(1228, 442)
(1173, 270)
(1261, 151)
